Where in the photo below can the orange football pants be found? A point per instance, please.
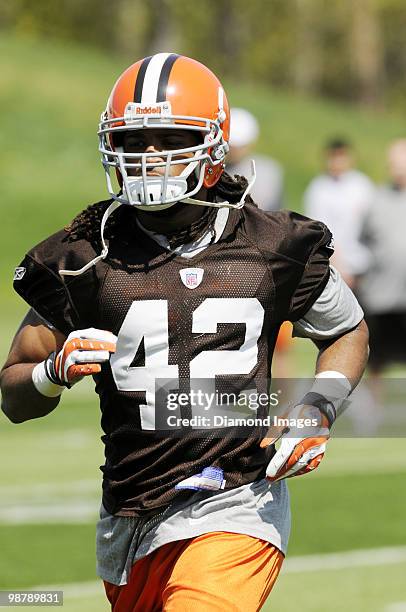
(217, 571)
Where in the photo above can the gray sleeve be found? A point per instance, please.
(335, 312)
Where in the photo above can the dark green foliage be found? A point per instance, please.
(346, 50)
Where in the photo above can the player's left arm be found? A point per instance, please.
(335, 324)
(347, 354)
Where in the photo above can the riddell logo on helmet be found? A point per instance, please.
(148, 110)
(135, 110)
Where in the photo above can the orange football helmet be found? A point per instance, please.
(165, 91)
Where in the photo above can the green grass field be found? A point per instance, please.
(50, 484)
(50, 498)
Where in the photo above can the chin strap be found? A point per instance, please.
(225, 203)
(113, 206)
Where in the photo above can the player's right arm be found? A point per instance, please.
(32, 344)
(42, 362)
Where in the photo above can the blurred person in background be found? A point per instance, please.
(267, 191)
(382, 289)
(340, 197)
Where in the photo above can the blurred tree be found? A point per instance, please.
(91, 22)
(308, 63)
(339, 48)
(336, 79)
(230, 34)
(366, 51)
(132, 27)
(270, 50)
(194, 21)
(162, 28)
(393, 17)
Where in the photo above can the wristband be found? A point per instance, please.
(333, 386)
(43, 383)
(324, 405)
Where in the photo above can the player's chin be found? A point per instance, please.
(166, 212)
(175, 209)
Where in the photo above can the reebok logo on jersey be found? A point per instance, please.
(191, 277)
(19, 273)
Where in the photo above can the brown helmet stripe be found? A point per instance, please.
(164, 76)
(139, 82)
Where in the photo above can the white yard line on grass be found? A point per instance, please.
(305, 563)
(341, 471)
(63, 502)
(74, 590)
(342, 560)
(75, 511)
(92, 485)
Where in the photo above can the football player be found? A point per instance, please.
(179, 282)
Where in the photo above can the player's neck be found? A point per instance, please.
(177, 217)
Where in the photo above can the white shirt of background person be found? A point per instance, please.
(267, 191)
(341, 198)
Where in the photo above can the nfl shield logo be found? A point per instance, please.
(191, 280)
(191, 277)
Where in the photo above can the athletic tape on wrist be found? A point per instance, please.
(42, 383)
(324, 405)
(334, 386)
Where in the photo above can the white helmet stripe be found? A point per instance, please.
(151, 80)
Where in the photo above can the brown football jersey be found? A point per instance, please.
(209, 321)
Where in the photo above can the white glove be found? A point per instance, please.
(298, 453)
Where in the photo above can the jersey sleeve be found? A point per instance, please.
(58, 301)
(297, 250)
(335, 312)
(316, 271)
